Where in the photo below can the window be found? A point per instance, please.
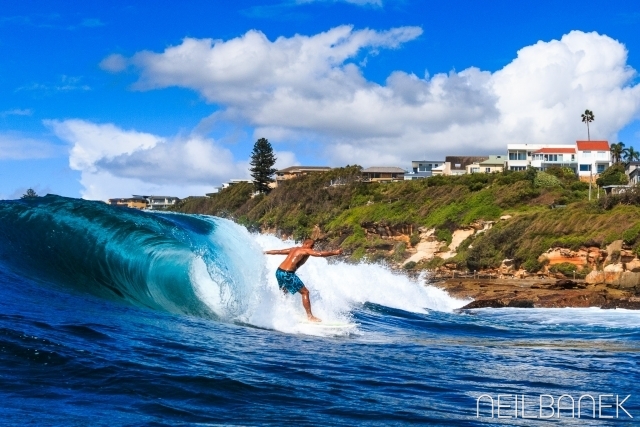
(518, 168)
(573, 157)
(586, 154)
(518, 155)
(475, 170)
(487, 170)
(600, 168)
(585, 168)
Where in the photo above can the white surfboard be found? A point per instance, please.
(328, 325)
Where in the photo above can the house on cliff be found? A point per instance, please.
(457, 165)
(131, 202)
(593, 158)
(495, 163)
(521, 156)
(422, 169)
(383, 174)
(632, 170)
(587, 159)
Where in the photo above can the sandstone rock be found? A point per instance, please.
(507, 266)
(626, 256)
(614, 248)
(633, 265)
(482, 226)
(555, 256)
(317, 234)
(629, 280)
(612, 273)
(595, 255)
(594, 277)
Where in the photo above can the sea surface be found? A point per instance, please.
(115, 317)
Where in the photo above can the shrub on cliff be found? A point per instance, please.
(545, 180)
(613, 175)
(630, 196)
(565, 268)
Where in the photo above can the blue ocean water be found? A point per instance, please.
(110, 316)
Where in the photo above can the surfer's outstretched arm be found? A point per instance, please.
(325, 253)
(278, 252)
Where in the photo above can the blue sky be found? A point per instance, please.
(111, 99)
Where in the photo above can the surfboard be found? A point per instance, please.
(328, 325)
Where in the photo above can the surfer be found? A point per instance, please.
(288, 280)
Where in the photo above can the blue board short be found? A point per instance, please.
(289, 280)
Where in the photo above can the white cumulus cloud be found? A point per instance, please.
(310, 87)
(117, 163)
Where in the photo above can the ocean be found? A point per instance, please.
(116, 317)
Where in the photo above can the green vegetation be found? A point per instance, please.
(262, 161)
(357, 216)
(565, 268)
(613, 175)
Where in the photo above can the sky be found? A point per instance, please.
(110, 99)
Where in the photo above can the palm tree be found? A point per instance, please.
(587, 118)
(617, 150)
(631, 155)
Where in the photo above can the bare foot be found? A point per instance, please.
(313, 319)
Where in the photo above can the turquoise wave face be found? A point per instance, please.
(142, 258)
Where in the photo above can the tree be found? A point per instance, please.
(617, 150)
(262, 161)
(613, 175)
(587, 118)
(631, 155)
(30, 193)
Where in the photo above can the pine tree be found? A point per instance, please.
(30, 193)
(262, 161)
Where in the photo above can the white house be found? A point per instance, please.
(547, 157)
(520, 156)
(593, 157)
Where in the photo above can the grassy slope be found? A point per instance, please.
(446, 203)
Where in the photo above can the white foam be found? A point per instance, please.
(337, 288)
(242, 286)
(568, 316)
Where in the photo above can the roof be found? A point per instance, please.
(163, 197)
(593, 145)
(494, 160)
(461, 162)
(304, 168)
(548, 150)
(383, 169)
